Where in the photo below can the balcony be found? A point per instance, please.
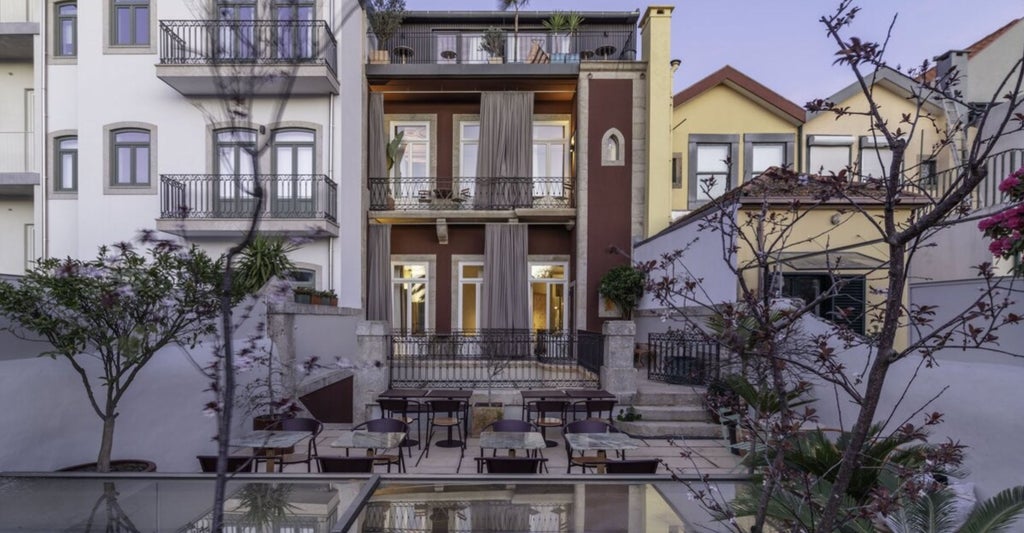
(458, 52)
(214, 205)
(998, 166)
(17, 163)
(19, 22)
(259, 56)
(472, 197)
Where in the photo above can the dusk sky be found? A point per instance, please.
(781, 44)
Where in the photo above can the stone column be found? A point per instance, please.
(617, 373)
(370, 367)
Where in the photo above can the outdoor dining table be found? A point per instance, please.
(533, 395)
(511, 441)
(371, 440)
(589, 394)
(269, 443)
(602, 443)
(403, 393)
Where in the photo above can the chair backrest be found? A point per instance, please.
(301, 424)
(208, 463)
(346, 465)
(633, 466)
(509, 425)
(392, 405)
(599, 406)
(587, 426)
(445, 406)
(384, 425)
(513, 465)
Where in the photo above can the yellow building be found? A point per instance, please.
(728, 116)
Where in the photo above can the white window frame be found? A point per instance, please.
(461, 282)
(563, 142)
(549, 281)
(427, 291)
(843, 141)
(871, 148)
(428, 143)
(695, 186)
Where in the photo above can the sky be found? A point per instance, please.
(781, 44)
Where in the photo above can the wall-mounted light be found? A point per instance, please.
(675, 64)
(572, 142)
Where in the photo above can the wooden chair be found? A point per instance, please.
(592, 407)
(236, 464)
(550, 414)
(448, 415)
(512, 465)
(314, 427)
(403, 409)
(584, 426)
(633, 466)
(346, 465)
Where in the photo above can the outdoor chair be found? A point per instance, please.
(550, 414)
(346, 465)
(386, 425)
(512, 465)
(448, 415)
(314, 427)
(407, 411)
(594, 407)
(632, 466)
(236, 464)
(508, 424)
(584, 426)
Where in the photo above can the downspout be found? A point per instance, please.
(330, 160)
(44, 211)
(799, 163)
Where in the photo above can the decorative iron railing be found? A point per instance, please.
(997, 166)
(432, 193)
(466, 47)
(682, 358)
(258, 42)
(479, 516)
(212, 196)
(499, 359)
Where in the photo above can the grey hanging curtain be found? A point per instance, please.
(378, 272)
(504, 164)
(505, 277)
(377, 155)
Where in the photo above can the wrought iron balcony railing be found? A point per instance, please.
(459, 47)
(439, 194)
(998, 166)
(211, 196)
(258, 42)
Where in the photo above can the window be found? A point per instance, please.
(409, 284)
(234, 168)
(67, 165)
(294, 165)
(549, 296)
(130, 26)
(236, 38)
(846, 307)
(469, 146)
(131, 158)
(550, 158)
(762, 151)
(712, 170)
(67, 29)
(929, 173)
(471, 281)
(828, 154)
(613, 147)
(294, 29)
(413, 160)
(677, 170)
(301, 277)
(875, 158)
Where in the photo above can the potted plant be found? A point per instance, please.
(265, 258)
(493, 43)
(303, 295)
(623, 286)
(563, 26)
(385, 17)
(165, 296)
(328, 297)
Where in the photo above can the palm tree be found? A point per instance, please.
(505, 5)
(937, 513)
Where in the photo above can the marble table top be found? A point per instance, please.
(268, 439)
(522, 440)
(601, 441)
(368, 439)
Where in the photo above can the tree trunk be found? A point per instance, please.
(106, 442)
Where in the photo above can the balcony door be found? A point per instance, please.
(235, 173)
(293, 190)
(236, 35)
(295, 39)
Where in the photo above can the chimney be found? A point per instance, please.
(656, 33)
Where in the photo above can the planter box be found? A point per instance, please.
(379, 57)
(302, 298)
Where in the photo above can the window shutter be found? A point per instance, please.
(848, 304)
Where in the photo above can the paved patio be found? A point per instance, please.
(692, 456)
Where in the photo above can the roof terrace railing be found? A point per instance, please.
(466, 47)
(445, 194)
(212, 196)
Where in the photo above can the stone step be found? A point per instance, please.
(675, 413)
(691, 430)
(681, 397)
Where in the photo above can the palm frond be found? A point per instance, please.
(997, 513)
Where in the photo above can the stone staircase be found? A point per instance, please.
(670, 411)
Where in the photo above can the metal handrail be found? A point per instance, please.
(256, 42)
(213, 196)
(439, 193)
(987, 194)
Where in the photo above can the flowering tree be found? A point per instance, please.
(1005, 227)
(119, 309)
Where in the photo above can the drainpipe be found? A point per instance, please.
(798, 165)
(44, 211)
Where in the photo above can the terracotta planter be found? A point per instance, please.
(315, 299)
(379, 57)
(496, 60)
(301, 298)
(116, 465)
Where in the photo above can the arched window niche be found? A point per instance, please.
(613, 148)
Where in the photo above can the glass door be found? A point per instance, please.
(236, 35)
(295, 38)
(236, 150)
(294, 185)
